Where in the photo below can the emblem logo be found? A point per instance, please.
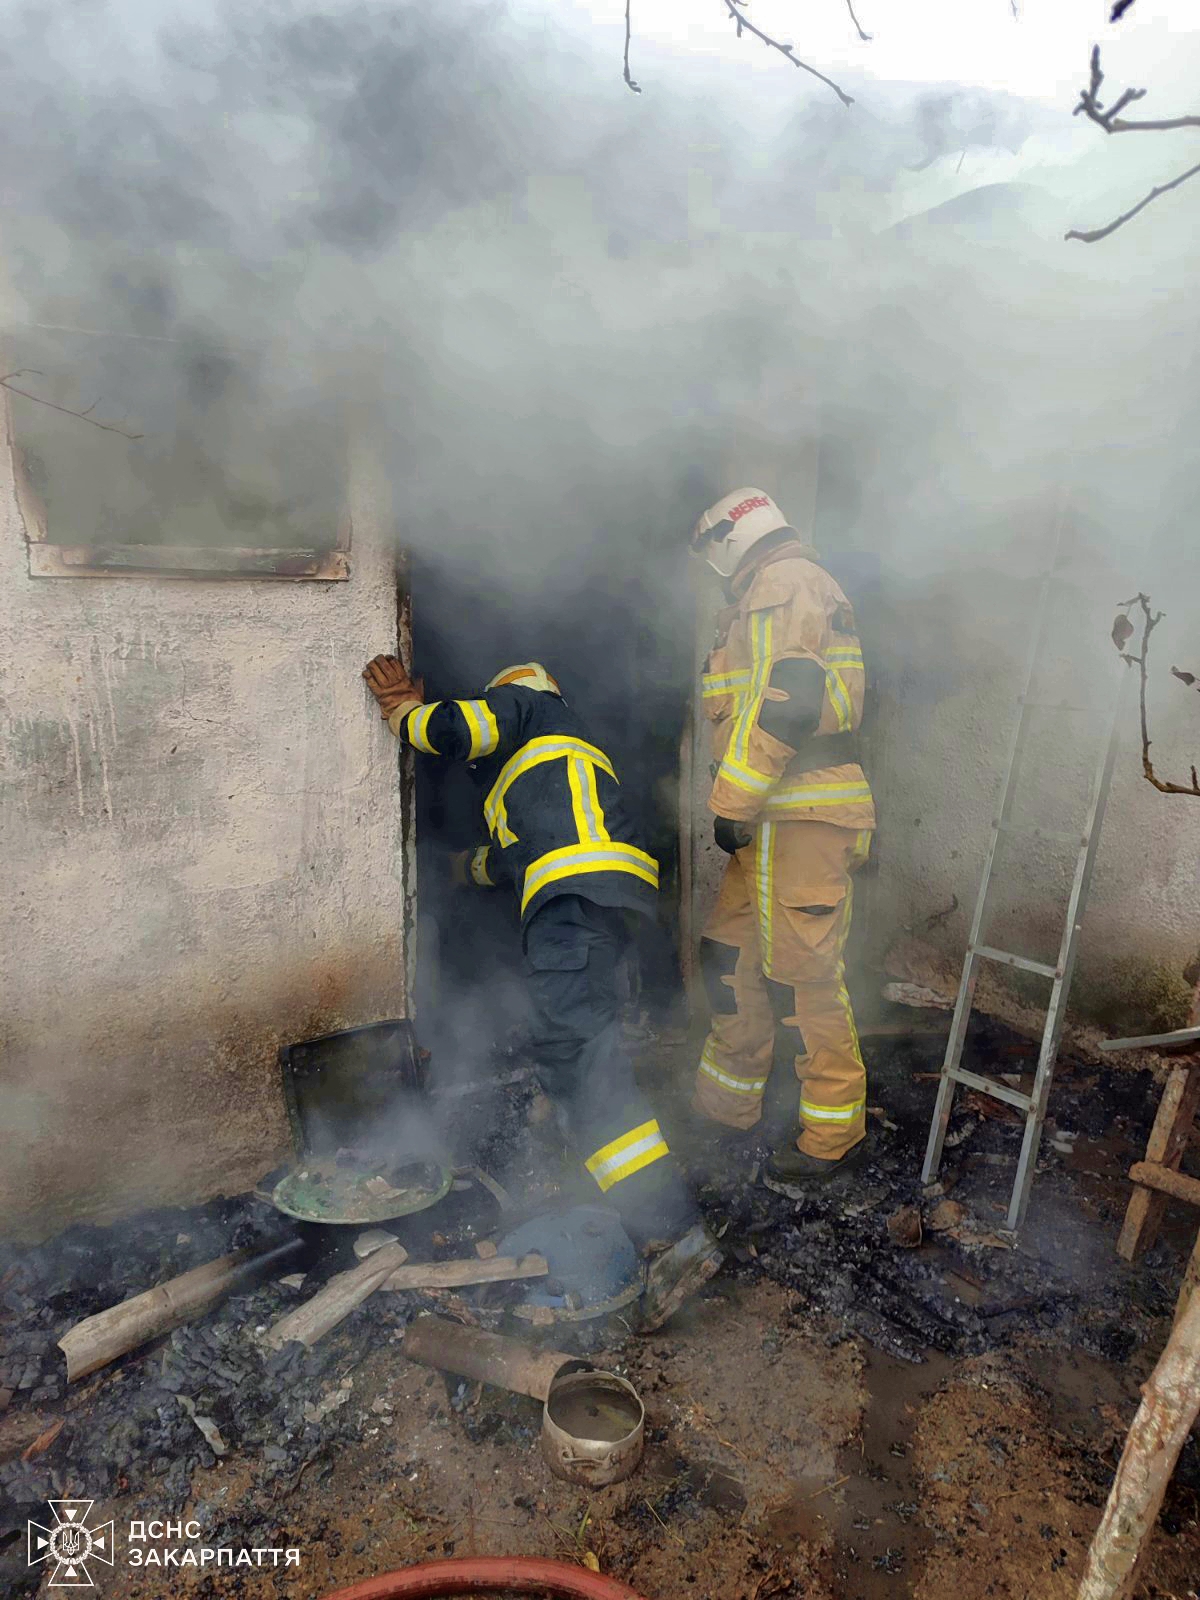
(70, 1544)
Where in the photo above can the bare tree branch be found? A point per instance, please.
(743, 24)
(628, 28)
(1110, 119)
(83, 416)
(1093, 235)
(1150, 621)
(858, 27)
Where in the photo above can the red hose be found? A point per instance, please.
(524, 1574)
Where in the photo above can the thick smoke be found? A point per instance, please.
(566, 318)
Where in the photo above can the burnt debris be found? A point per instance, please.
(142, 1427)
(968, 1287)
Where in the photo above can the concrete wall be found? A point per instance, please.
(203, 837)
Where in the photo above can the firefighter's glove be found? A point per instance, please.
(732, 836)
(388, 680)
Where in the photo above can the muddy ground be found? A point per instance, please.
(836, 1418)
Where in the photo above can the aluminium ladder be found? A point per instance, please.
(1060, 973)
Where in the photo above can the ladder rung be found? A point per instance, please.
(1007, 959)
(1057, 834)
(998, 1091)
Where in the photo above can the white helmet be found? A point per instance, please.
(728, 531)
(530, 675)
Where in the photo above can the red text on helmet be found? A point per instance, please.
(744, 507)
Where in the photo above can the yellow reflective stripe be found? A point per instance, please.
(627, 1155)
(713, 684)
(574, 859)
(735, 766)
(848, 1012)
(846, 1113)
(743, 777)
(585, 802)
(547, 748)
(479, 869)
(762, 625)
(835, 687)
(764, 873)
(418, 722)
(481, 720)
(739, 1085)
(845, 655)
(822, 794)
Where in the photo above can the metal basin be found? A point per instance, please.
(328, 1191)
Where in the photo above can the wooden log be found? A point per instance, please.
(385, 1269)
(99, 1339)
(337, 1299)
(1167, 1142)
(483, 1357)
(1153, 1041)
(1166, 1181)
(1170, 1404)
(455, 1274)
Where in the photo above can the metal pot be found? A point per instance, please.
(593, 1428)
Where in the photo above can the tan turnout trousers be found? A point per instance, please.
(772, 957)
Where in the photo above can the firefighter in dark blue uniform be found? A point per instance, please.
(563, 841)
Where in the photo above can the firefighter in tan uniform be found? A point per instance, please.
(784, 692)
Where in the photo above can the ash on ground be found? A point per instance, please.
(152, 1433)
(971, 1285)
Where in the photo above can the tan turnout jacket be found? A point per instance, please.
(786, 606)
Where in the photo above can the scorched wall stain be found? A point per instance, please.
(204, 857)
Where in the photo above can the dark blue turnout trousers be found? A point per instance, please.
(573, 948)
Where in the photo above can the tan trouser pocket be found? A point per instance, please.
(810, 933)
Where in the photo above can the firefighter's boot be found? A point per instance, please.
(676, 1273)
(793, 1173)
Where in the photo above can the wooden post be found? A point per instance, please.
(1168, 1140)
(1170, 1404)
(1191, 1281)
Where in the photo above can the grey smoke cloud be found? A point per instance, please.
(568, 317)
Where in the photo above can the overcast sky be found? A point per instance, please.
(1040, 53)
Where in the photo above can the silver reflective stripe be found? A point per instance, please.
(823, 794)
(631, 1152)
(577, 858)
(840, 698)
(848, 1113)
(590, 821)
(740, 1085)
(764, 871)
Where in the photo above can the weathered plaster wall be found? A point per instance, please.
(937, 748)
(946, 656)
(204, 856)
